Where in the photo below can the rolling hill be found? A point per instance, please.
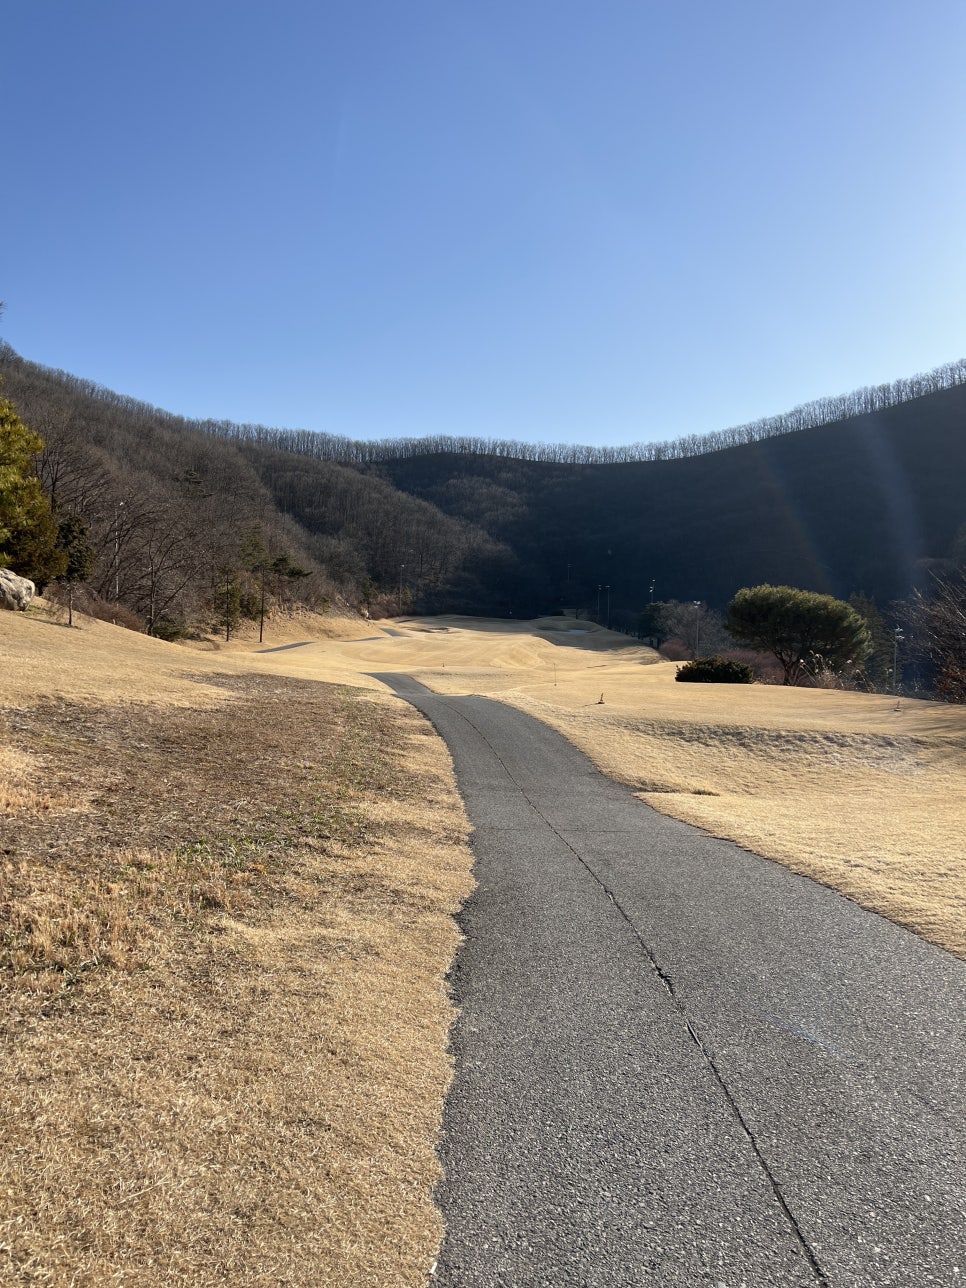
(862, 501)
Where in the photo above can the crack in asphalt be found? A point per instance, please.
(844, 1047)
(667, 981)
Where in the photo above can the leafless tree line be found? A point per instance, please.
(339, 449)
(811, 415)
(169, 502)
(160, 536)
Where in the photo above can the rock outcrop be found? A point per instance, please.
(15, 592)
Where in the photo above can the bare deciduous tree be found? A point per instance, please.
(936, 621)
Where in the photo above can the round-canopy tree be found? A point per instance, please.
(807, 632)
(28, 533)
(73, 539)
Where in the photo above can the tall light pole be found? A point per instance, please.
(897, 635)
(401, 567)
(117, 550)
(599, 589)
(697, 625)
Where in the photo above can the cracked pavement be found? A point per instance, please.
(678, 1063)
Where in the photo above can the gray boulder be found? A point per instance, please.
(15, 592)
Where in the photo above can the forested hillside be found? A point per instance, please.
(182, 515)
(860, 505)
(187, 524)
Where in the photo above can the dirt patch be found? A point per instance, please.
(222, 1000)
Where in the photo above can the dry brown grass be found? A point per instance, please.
(879, 816)
(19, 775)
(857, 791)
(227, 899)
(852, 789)
(225, 931)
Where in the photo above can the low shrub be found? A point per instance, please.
(715, 670)
(765, 667)
(90, 604)
(171, 629)
(675, 650)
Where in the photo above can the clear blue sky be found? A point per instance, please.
(599, 221)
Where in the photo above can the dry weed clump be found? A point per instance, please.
(222, 1007)
(49, 936)
(18, 778)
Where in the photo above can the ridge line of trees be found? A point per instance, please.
(339, 449)
(163, 524)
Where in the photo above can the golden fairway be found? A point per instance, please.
(859, 791)
(862, 792)
(229, 911)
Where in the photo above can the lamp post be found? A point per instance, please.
(401, 567)
(599, 589)
(897, 635)
(697, 625)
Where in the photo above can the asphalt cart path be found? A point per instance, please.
(678, 1063)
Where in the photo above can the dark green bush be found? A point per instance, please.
(715, 670)
(171, 629)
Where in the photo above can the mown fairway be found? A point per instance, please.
(864, 793)
(229, 877)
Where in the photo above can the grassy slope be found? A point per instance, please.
(227, 911)
(227, 916)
